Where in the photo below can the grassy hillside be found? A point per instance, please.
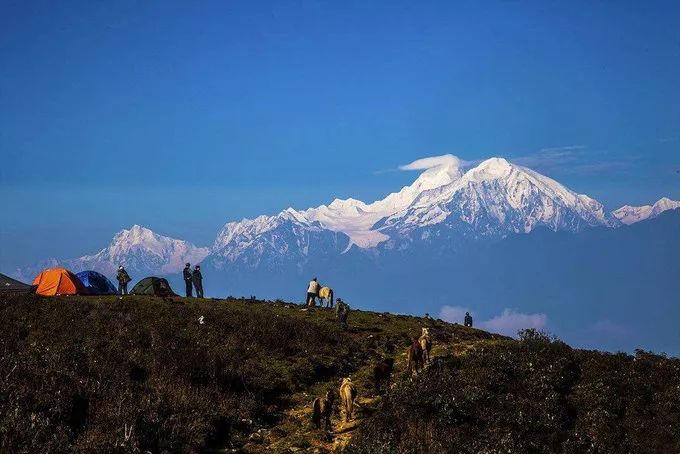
(142, 374)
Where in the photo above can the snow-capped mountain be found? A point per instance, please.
(496, 198)
(286, 237)
(630, 214)
(139, 249)
(356, 219)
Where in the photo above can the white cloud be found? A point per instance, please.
(453, 313)
(451, 163)
(510, 321)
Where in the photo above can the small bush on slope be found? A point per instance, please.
(536, 395)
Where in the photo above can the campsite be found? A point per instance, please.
(143, 373)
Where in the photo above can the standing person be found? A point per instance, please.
(342, 311)
(312, 292)
(468, 320)
(197, 278)
(187, 279)
(123, 278)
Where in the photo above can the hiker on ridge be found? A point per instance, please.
(342, 311)
(187, 279)
(312, 292)
(123, 278)
(197, 278)
(468, 320)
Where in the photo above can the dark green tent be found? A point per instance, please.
(151, 285)
(12, 286)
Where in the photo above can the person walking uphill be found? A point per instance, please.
(123, 278)
(312, 292)
(342, 311)
(188, 279)
(197, 278)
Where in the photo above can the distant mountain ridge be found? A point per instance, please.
(631, 214)
(441, 208)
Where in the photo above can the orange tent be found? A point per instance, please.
(58, 281)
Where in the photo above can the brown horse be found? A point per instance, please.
(381, 372)
(322, 408)
(414, 358)
(348, 394)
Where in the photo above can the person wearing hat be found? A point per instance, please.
(123, 278)
(188, 279)
(197, 278)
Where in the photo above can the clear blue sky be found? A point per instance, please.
(184, 115)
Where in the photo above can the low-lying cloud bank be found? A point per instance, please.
(506, 323)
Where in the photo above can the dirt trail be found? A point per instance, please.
(294, 432)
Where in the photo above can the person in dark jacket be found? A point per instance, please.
(123, 278)
(197, 278)
(188, 279)
(468, 319)
(342, 311)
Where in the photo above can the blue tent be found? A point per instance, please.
(97, 283)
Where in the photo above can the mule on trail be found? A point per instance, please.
(414, 358)
(348, 394)
(425, 342)
(381, 372)
(322, 408)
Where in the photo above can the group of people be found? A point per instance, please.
(192, 279)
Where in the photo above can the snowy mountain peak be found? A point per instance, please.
(290, 214)
(664, 204)
(135, 235)
(631, 214)
(350, 204)
(494, 167)
(140, 250)
(497, 198)
(439, 171)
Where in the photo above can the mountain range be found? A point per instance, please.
(443, 208)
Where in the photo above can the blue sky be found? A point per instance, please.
(184, 115)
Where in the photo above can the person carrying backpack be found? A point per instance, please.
(123, 278)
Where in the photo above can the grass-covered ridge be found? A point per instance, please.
(142, 374)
